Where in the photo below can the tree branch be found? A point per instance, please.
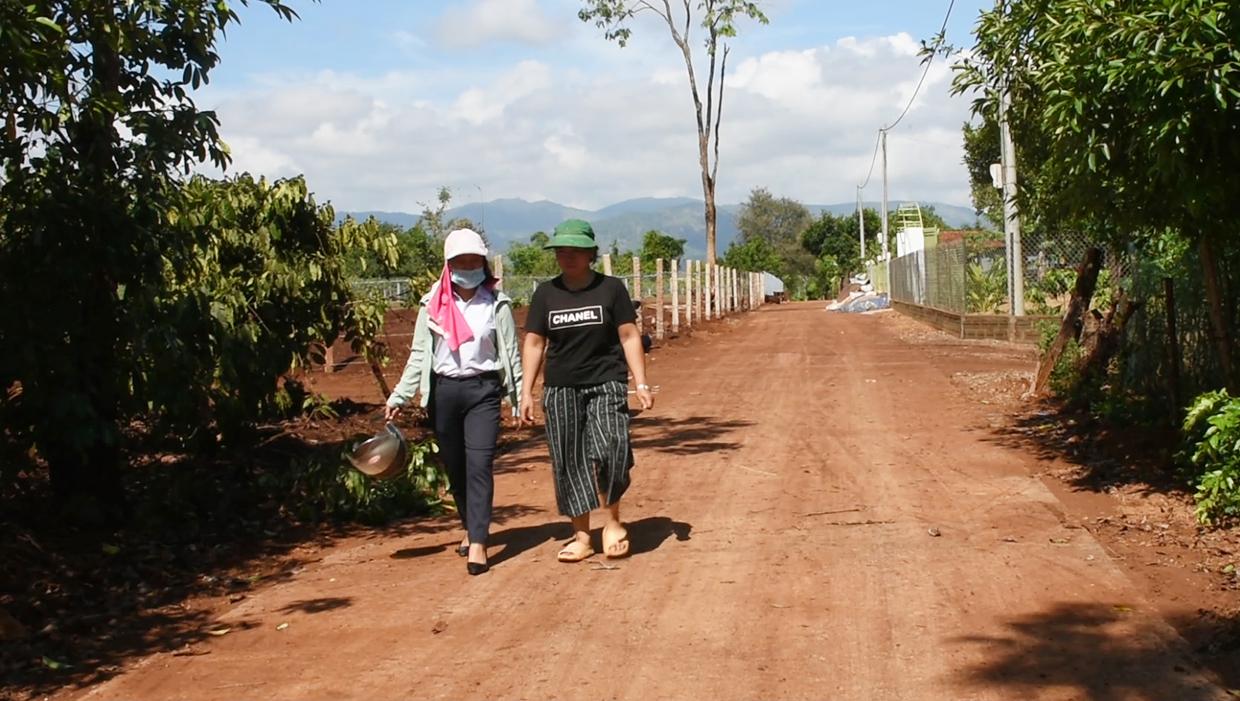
(710, 80)
(723, 69)
(643, 5)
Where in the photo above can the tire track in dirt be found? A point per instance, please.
(787, 482)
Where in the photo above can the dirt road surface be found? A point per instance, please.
(819, 512)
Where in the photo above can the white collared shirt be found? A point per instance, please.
(478, 354)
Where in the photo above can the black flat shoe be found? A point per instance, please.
(462, 550)
(476, 568)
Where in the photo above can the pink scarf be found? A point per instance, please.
(445, 318)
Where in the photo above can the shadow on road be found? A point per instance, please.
(515, 541)
(1089, 648)
(647, 534)
(411, 553)
(1105, 454)
(692, 435)
(451, 525)
(329, 603)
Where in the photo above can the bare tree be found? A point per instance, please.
(718, 19)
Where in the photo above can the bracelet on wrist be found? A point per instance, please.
(645, 387)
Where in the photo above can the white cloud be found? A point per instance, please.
(478, 106)
(484, 21)
(801, 123)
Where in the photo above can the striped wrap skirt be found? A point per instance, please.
(588, 434)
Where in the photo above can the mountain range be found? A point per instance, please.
(507, 220)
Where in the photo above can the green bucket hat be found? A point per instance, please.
(572, 233)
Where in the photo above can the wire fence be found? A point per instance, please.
(398, 292)
(967, 274)
(1171, 348)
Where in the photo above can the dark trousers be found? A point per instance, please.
(465, 413)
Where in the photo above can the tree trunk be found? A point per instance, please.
(1173, 352)
(1218, 321)
(1102, 340)
(377, 370)
(711, 214)
(83, 451)
(1070, 328)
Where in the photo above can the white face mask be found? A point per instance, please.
(469, 279)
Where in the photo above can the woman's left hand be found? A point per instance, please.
(646, 398)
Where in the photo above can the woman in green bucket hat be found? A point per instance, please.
(582, 331)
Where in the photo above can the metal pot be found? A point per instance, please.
(384, 456)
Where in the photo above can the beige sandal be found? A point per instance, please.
(575, 551)
(618, 547)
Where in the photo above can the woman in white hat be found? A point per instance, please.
(463, 361)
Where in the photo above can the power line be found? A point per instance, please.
(926, 72)
(873, 160)
(929, 61)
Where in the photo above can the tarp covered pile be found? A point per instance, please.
(860, 298)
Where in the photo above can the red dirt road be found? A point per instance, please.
(818, 512)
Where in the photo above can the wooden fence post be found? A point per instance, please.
(708, 289)
(497, 268)
(688, 294)
(637, 289)
(658, 298)
(607, 264)
(675, 296)
(736, 297)
(732, 290)
(702, 312)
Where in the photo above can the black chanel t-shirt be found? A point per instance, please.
(583, 344)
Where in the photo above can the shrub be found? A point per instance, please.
(1212, 432)
(321, 486)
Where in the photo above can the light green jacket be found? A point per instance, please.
(416, 380)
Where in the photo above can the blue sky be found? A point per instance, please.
(379, 102)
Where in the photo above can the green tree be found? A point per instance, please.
(435, 221)
(99, 125)
(932, 220)
(754, 255)
(718, 19)
(981, 149)
(1128, 112)
(261, 280)
(418, 254)
(826, 283)
(780, 222)
(656, 245)
(834, 243)
(837, 236)
(533, 258)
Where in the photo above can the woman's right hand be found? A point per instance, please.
(527, 408)
(390, 412)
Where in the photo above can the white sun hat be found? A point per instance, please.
(462, 242)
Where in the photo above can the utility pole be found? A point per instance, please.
(1011, 215)
(861, 223)
(482, 209)
(886, 254)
